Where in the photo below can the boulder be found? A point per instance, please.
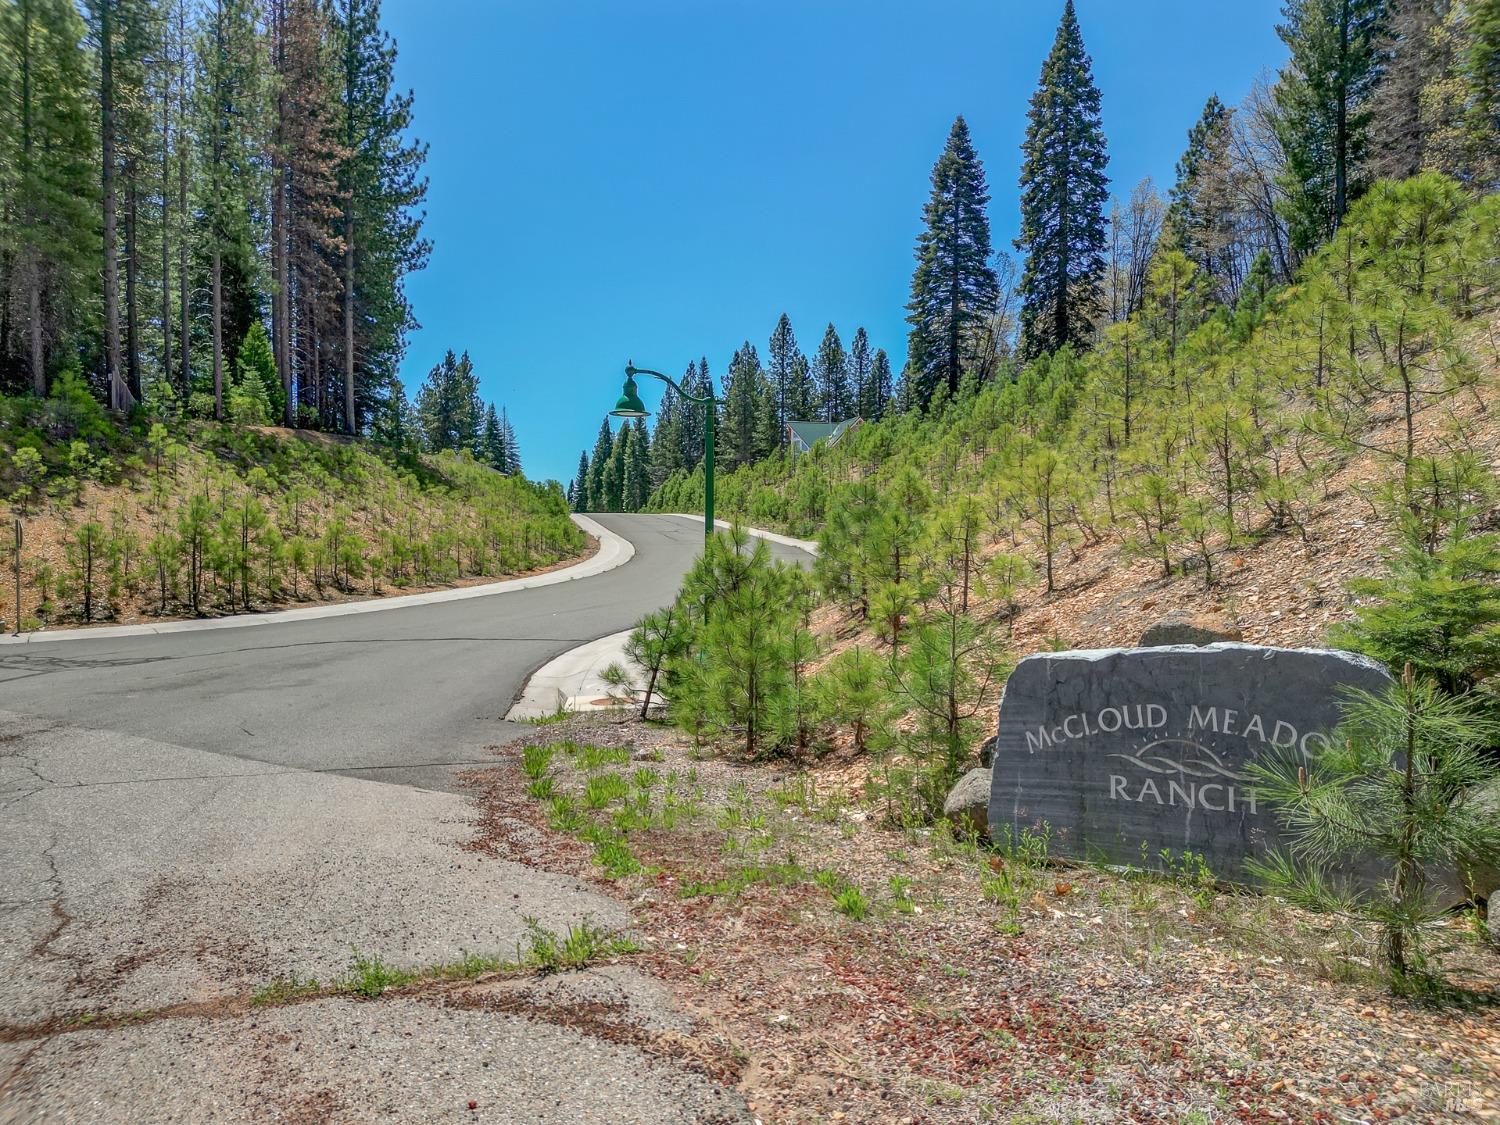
(967, 805)
(1124, 753)
(1183, 628)
(987, 751)
(1484, 878)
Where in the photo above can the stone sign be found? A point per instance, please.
(1125, 752)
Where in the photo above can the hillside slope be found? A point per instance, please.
(1246, 462)
(128, 522)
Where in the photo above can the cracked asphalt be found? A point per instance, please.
(185, 817)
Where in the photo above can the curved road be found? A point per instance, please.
(402, 695)
(186, 817)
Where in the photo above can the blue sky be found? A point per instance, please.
(659, 179)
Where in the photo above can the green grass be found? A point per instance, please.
(592, 758)
(370, 976)
(472, 965)
(547, 952)
(542, 788)
(564, 815)
(613, 854)
(605, 789)
(852, 901)
(284, 990)
(537, 760)
(741, 879)
(901, 894)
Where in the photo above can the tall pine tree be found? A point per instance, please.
(954, 289)
(231, 105)
(783, 356)
(747, 433)
(599, 462)
(1323, 98)
(383, 188)
(860, 370)
(832, 373)
(666, 437)
(881, 388)
(448, 406)
(48, 191)
(1201, 221)
(1064, 190)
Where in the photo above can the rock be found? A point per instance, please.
(987, 751)
(1483, 879)
(1124, 753)
(968, 803)
(1181, 628)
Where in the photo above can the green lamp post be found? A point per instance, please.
(630, 406)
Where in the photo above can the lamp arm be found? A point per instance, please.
(632, 370)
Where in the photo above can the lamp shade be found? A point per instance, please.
(630, 404)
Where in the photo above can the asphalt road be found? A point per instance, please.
(187, 817)
(403, 696)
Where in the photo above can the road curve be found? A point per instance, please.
(403, 696)
(165, 851)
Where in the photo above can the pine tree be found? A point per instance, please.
(749, 410)
(180, 120)
(382, 187)
(1402, 118)
(1383, 793)
(1323, 99)
(249, 398)
(666, 437)
(599, 461)
(954, 289)
(1480, 70)
(783, 356)
(860, 371)
(105, 19)
(307, 249)
(255, 372)
(48, 243)
(1461, 98)
(881, 390)
(1063, 192)
(230, 91)
(697, 383)
(1254, 298)
(578, 491)
(802, 395)
(512, 446)
(636, 479)
(832, 373)
(492, 441)
(1201, 219)
(396, 423)
(136, 144)
(613, 479)
(448, 406)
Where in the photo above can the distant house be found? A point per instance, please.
(802, 436)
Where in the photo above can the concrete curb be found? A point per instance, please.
(808, 545)
(614, 550)
(573, 681)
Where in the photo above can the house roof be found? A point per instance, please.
(804, 435)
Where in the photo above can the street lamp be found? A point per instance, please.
(630, 406)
